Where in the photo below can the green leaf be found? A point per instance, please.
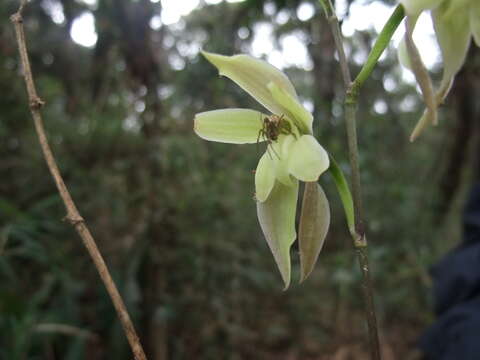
(277, 219)
(314, 224)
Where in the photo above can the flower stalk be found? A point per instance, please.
(378, 48)
(357, 229)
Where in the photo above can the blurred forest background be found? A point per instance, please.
(174, 215)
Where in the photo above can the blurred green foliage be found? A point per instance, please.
(174, 215)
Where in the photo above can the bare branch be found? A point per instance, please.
(73, 216)
(65, 329)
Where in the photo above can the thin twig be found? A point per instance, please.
(359, 238)
(73, 216)
(338, 38)
(65, 329)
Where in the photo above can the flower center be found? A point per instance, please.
(273, 126)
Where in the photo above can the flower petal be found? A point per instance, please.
(313, 228)
(253, 76)
(415, 7)
(264, 177)
(292, 108)
(402, 50)
(308, 159)
(452, 27)
(234, 126)
(277, 220)
(475, 20)
(402, 54)
(421, 73)
(280, 151)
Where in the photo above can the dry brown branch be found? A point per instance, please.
(73, 216)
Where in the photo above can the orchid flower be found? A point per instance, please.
(455, 22)
(292, 154)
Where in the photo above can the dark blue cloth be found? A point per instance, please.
(456, 333)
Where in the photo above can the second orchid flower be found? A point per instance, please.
(455, 23)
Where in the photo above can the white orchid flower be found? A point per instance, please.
(292, 152)
(455, 22)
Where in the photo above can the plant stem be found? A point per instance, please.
(337, 37)
(344, 191)
(381, 43)
(352, 89)
(73, 216)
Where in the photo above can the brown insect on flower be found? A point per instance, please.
(272, 127)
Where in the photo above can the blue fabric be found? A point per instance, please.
(456, 333)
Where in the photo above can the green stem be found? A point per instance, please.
(380, 45)
(344, 192)
(355, 221)
(351, 127)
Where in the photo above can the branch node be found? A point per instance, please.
(74, 219)
(351, 94)
(16, 18)
(36, 103)
(360, 241)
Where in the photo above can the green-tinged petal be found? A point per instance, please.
(313, 228)
(253, 76)
(475, 20)
(414, 7)
(440, 96)
(308, 159)
(420, 126)
(452, 27)
(421, 73)
(234, 126)
(279, 151)
(452, 6)
(292, 108)
(402, 53)
(277, 220)
(453, 33)
(264, 178)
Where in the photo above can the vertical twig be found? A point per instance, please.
(358, 235)
(73, 216)
(338, 38)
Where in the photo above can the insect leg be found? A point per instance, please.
(268, 150)
(273, 150)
